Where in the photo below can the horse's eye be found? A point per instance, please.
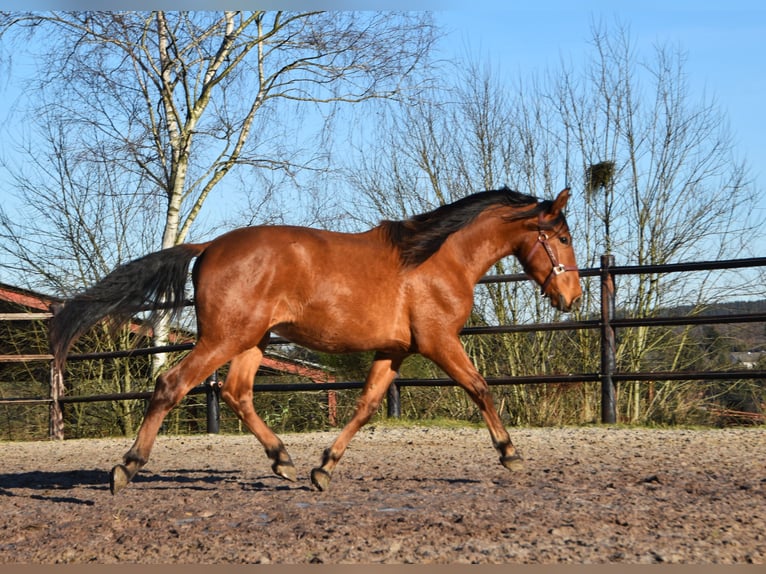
(564, 240)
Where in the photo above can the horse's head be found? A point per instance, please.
(548, 257)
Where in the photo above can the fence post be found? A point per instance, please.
(608, 362)
(55, 412)
(213, 396)
(394, 403)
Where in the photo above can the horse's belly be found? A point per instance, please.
(354, 308)
(343, 337)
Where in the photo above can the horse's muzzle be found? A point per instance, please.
(566, 307)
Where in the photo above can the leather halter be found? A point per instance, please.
(558, 268)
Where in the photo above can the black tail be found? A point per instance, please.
(155, 282)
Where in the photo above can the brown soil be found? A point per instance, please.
(416, 495)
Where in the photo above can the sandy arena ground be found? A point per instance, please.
(400, 495)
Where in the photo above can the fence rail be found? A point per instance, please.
(606, 324)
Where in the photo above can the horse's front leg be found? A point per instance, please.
(450, 356)
(382, 373)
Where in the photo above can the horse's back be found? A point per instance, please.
(326, 290)
(299, 253)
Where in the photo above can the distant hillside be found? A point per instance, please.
(728, 308)
(737, 336)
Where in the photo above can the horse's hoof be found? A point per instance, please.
(320, 478)
(285, 470)
(119, 478)
(513, 462)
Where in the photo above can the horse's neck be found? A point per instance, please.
(484, 242)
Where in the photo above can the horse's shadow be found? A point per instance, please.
(48, 485)
(43, 484)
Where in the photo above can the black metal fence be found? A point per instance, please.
(606, 323)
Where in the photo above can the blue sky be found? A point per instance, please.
(724, 42)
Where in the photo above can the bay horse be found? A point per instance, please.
(400, 288)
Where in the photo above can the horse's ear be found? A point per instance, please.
(560, 202)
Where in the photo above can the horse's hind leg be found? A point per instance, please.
(237, 391)
(170, 388)
(381, 375)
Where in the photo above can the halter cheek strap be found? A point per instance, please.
(558, 268)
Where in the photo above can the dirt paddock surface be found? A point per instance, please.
(400, 495)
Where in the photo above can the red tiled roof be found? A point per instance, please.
(25, 298)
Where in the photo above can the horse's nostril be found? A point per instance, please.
(561, 304)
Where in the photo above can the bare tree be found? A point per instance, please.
(78, 218)
(178, 100)
(467, 137)
(653, 170)
(174, 97)
(661, 178)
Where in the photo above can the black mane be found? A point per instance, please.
(420, 236)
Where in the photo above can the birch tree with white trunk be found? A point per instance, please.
(179, 100)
